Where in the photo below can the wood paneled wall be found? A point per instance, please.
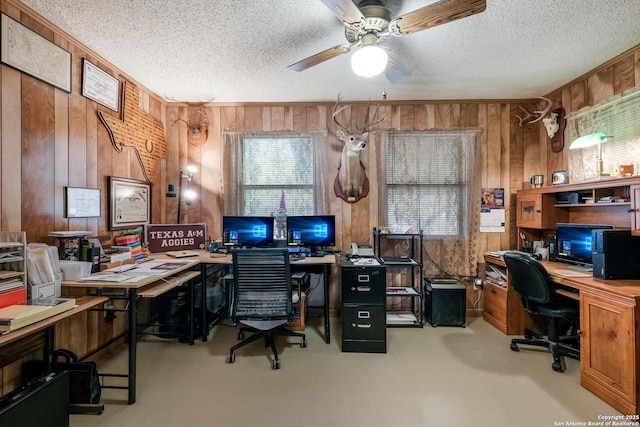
(50, 139)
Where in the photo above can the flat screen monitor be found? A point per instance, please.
(311, 231)
(574, 242)
(247, 231)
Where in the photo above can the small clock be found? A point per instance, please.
(559, 177)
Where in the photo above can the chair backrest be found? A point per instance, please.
(262, 284)
(529, 279)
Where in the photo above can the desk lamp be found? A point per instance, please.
(589, 141)
(189, 195)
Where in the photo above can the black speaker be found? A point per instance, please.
(445, 302)
(552, 248)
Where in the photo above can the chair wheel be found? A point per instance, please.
(514, 347)
(276, 363)
(231, 358)
(303, 343)
(556, 367)
(240, 336)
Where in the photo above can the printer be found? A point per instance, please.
(615, 254)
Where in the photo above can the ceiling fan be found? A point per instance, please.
(370, 23)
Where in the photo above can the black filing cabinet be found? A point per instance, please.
(364, 319)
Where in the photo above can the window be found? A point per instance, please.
(430, 181)
(273, 168)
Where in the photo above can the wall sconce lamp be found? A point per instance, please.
(370, 60)
(589, 141)
(189, 195)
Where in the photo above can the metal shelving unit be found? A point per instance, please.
(402, 255)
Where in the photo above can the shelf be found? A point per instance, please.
(402, 255)
(401, 291)
(402, 318)
(13, 274)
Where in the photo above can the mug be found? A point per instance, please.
(537, 180)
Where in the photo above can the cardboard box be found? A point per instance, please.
(299, 322)
(46, 290)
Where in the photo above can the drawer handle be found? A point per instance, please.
(361, 325)
(363, 288)
(363, 278)
(493, 291)
(364, 315)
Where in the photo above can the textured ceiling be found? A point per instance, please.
(238, 51)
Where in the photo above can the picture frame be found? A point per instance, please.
(27, 51)
(82, 202)
(129, 203)
(99, 86)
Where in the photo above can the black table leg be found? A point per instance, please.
(133, 339)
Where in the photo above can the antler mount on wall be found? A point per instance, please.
(197, 129)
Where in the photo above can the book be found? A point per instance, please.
(20, 315)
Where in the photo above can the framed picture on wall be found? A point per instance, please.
(129, 203)
(82, 202)
(29, 52)
(99, 86)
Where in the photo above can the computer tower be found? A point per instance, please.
(615, 254)
(445, 302)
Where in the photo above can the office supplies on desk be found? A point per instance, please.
(182, 254)
(20, 315)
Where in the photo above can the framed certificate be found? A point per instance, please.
(99, 86)
(130, 203)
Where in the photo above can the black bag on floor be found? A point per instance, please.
(84, 382)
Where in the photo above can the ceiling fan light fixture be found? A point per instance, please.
(369, 61)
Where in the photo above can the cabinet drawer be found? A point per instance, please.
(364, 322)
(495, 302)
(363, 285)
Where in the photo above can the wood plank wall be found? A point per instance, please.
(50, 139)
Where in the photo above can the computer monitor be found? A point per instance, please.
(574, 242)
(311, 231)
(247, 231)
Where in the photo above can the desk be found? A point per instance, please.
(149, 285)
(83, 303)
(321, 265)
(609, 334)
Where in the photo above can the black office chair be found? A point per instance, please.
(262, 298)
(532, 283)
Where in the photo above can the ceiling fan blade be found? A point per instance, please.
(318, 58)
(345, 10)
(395, 71)
(435, 14)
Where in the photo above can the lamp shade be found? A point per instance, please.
(588, 141)
(369, 61)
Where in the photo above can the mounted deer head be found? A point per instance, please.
(351, 183)
(198, 132)
(535, 115)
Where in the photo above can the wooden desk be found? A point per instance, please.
(148, 285)
(609, 334)
(309, 264)
(82, 304)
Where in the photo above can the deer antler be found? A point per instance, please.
(536, 115)
(360, 129)
(337, 111)
(373, 122)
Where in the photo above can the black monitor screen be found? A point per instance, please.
(574, 242)
(247, 230)
(319, 230)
